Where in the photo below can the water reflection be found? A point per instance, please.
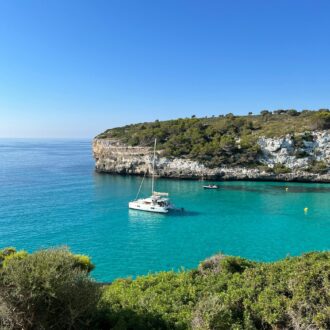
(140, 216)
(136, 215)
(184, 213)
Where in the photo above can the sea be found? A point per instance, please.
(51, 196)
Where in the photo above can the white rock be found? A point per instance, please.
(114, 157)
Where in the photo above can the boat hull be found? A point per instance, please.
(147, 208)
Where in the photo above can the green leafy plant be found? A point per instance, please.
(49, 289)
(281, 169)
(318, 167)
(225, 293)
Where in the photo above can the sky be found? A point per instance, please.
(71, 69)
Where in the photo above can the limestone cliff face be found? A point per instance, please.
(112, 156)
(285, 151)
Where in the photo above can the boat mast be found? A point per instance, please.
(153, 169)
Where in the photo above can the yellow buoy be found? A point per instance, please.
(306, 209)
(286, 189)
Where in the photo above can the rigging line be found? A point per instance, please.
(153, 169)
(140, 186)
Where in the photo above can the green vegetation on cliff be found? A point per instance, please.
(220, 140)
(51, 289)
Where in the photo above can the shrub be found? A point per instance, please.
(265, 112)
(308, 136)
(293, 112)
(318, 167)
(50, 290)
(157, 301)
(5, 320)
(47, 290)
(211, 141)
(321, 120)
(6, 252)
(301, 154)
(212, 264)
(226, 293)
(279, 112)
(221, 263)
(14, 256)
(212, 313)
(281, 169)
(83, 262)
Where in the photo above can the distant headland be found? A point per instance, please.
(281, 145)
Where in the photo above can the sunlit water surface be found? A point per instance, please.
(51, 196)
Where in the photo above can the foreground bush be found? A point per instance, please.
(49, 289)
(226, 293)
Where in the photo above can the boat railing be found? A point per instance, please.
(155, 193)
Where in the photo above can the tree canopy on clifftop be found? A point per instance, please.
(226, 139)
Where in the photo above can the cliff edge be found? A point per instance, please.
(278, 159)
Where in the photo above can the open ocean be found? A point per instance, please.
(50, 196)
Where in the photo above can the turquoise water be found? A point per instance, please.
(51, 196)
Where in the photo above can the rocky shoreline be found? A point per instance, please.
(112, 156)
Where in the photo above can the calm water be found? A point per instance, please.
(50, 196)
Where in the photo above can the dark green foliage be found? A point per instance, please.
(301, 154)
(318, 167)
(197, 139)
(281, 169)
(265, 112)
(222, 140)
(83, 262)
(80, 261)
(49, 289)
(299, 139)
(292, 112)
(226, 264)
(225, 293)
(164, 300)
(321, 119)
(5, 253)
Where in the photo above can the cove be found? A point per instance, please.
(50, 195)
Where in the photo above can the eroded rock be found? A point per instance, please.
(112, 156)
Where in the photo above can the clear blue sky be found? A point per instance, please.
(72, 68)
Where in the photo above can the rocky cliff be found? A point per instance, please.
(281, 159)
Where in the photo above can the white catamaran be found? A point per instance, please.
(158, 202)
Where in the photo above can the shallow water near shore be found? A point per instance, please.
(51, 196)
